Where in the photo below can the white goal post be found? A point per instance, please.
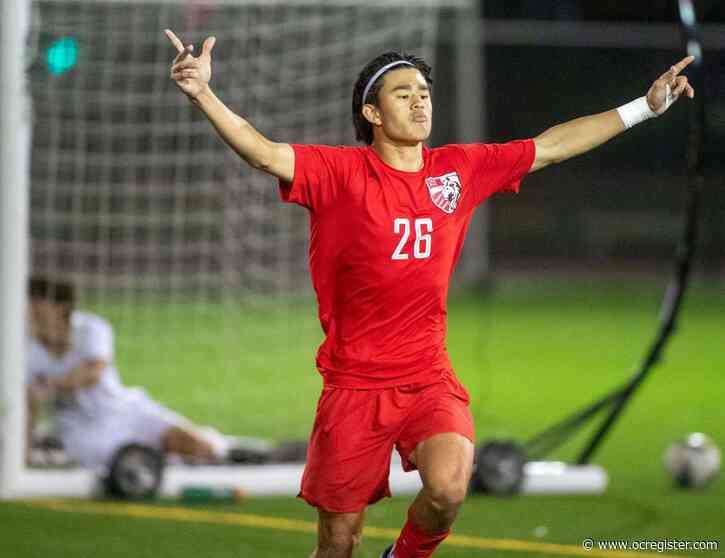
(75, 233)
(14, 186)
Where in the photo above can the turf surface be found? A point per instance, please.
(530, 352)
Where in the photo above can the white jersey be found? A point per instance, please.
(91, 340)
(94, 422)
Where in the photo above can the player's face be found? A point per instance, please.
(48, 321)
(404, 111)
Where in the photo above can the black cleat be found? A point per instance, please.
(247, 456)
(292, 451)
(388, 552)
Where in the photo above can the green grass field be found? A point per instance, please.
(529, 353)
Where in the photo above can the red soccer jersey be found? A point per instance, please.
(383, 246)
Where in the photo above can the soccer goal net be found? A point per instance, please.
(188, 253)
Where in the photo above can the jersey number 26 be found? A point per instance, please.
(421, 246)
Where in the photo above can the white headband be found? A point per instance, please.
(379, 73)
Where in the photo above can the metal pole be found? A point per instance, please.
(14, 184)
(471, 128)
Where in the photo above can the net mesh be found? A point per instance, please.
(131, 189)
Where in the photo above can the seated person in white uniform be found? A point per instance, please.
(70, 365)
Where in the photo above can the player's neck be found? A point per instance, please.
(56, 347)
(407, 158)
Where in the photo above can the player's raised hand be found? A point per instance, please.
(191, 74)
(669, 86)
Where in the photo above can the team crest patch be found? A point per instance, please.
(445, 191)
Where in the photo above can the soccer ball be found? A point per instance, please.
(694, 461)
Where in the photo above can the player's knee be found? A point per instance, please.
(447, 493)
(447, 499)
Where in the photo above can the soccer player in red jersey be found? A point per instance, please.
(387, 226)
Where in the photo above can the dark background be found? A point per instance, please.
(588, 10)
(620, 207)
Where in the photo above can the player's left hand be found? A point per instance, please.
(669, 86)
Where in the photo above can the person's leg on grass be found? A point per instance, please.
(183, 442)
(338, 534)
(445, 463)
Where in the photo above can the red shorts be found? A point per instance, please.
(348, 459)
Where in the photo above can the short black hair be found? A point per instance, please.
(58, 292)
(363, 128)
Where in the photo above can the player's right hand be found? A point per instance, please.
(191, 74)
(40, 389)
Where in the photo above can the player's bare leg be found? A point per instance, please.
(338, 534)
(445, 462)
(185, 443)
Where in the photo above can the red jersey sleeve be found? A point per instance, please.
(320, 173)
(499, 167)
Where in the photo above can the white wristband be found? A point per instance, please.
(635, 112)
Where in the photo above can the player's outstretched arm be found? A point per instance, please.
(192, 75)
(578, 136)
